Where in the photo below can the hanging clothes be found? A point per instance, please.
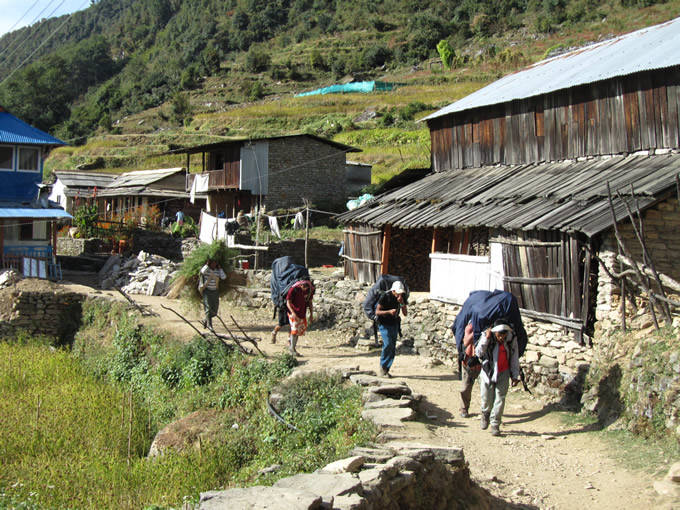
(200, 185)
(208, 228)
(274, 226)
(299, 221)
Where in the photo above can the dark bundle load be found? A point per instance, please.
(285, 273)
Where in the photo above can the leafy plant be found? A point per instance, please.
(85, 218)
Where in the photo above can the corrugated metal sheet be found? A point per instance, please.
(16, 131)
(568, 196)
(28, 212)
(143, 177)
(656, 47)
(84, 179)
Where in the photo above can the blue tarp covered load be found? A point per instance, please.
(284, 274)
(357, 86)
(482, 308)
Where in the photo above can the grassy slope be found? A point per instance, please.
(221, 108)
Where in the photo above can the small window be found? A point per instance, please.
(6, 158)
(26, 230)
(29, 159)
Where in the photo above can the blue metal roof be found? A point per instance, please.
(16, 131)
(33, 212)
(656, 47)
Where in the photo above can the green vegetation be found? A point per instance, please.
(151, 74)
(77, 426)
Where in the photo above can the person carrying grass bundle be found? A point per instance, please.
(208, 286)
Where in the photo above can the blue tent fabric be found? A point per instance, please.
(284, 274)
(482, 308)
(356, 86)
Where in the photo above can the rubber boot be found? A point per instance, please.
(293, 342)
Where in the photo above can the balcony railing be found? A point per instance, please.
(226, 178)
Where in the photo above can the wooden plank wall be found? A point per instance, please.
(544, 272)
(363, 249)
(637, 112)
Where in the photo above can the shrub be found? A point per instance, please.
(85, 218)
(257, 60)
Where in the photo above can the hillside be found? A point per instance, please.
(121, 81)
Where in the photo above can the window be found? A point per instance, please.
(29, 159)
(26, 230)
(6, 157)
(40, 230)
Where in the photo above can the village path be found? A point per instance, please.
(540, 461)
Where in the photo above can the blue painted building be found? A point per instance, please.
(28, 221)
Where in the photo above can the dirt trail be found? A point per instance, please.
(538, 461)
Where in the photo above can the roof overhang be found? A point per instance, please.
(567, 196)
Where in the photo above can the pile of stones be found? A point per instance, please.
(144, 274)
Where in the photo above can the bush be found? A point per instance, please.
(257, 60)
(85, 218)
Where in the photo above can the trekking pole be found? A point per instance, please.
(524, 381)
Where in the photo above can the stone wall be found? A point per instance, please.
(321, 179)
(417, 477)
(38, 307)
(554, 364)
(319, 252)
(75, 247)
(662, 234)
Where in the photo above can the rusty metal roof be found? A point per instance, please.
(569, 196)
(655, 47)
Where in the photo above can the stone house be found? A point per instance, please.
(518, 194)
(275, 172)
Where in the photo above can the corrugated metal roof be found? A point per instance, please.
(241, 140)
(84, 179)
(566, 195)
(143, 177)
(30, 212)
(16, 131)
(656, 47)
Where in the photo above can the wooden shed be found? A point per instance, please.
(518, 194)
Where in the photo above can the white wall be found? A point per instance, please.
(453, 277)
(58, 193)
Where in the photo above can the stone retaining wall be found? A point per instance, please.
(554, 364)
(41, 312)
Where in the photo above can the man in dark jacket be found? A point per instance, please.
(387, 315)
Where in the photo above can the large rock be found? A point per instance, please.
(327, 485)
(260, 498)
(391, 417)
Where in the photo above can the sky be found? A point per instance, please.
(15, 14)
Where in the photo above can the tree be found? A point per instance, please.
(446, 53)
(180, 108)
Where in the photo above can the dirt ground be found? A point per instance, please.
(538, 462)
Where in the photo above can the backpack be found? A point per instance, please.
(379, 289)
(482, 308)
(285, 274)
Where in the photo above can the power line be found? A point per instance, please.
(22, 17)
(44, 42)
(28, 33)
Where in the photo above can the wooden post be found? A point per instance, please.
(2, 240)
(188, 161)
(53, 228)
(306, 233)
(436, 239)
(384, 259)
(257, 237)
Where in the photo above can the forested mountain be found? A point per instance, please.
(75, 74)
